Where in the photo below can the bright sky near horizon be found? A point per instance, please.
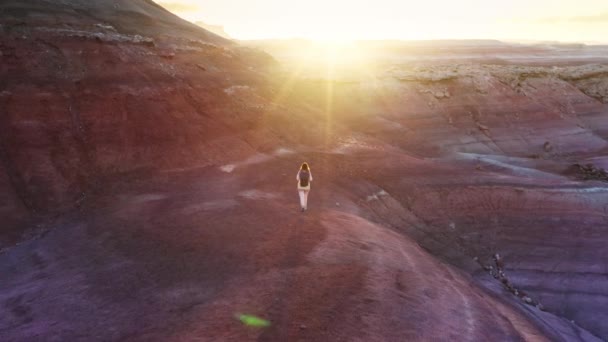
(560, 20)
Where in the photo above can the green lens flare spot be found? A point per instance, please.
(253, 321)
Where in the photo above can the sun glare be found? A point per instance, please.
(334, 53)
(344, 20)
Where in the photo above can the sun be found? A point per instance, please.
(334, 53)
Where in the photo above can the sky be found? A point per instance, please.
(552, 20)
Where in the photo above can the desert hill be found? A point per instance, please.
(147, 181)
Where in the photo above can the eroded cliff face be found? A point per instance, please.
(169, 138)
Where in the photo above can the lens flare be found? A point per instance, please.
(253, 321)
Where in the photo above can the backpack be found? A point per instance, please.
(304, 178)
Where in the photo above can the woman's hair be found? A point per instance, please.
(305, 167)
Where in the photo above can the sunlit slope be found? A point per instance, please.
(488, 109)
(91, 89)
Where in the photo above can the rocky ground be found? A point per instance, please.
(147, 190)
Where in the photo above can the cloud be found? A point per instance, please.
(601, 18)
(179, 6)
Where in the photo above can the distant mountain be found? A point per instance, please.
(217, 29)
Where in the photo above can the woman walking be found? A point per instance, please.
(304, 178)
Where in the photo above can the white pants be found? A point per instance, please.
(303, 198)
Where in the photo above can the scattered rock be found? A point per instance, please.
(106, 27)
(441, 94)
(500, 275)
(167, 54)
(483, 128)
(110, 36)
(499, 262)
(302, 326)
(548, 147)
(590, 172)
(235, 89)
